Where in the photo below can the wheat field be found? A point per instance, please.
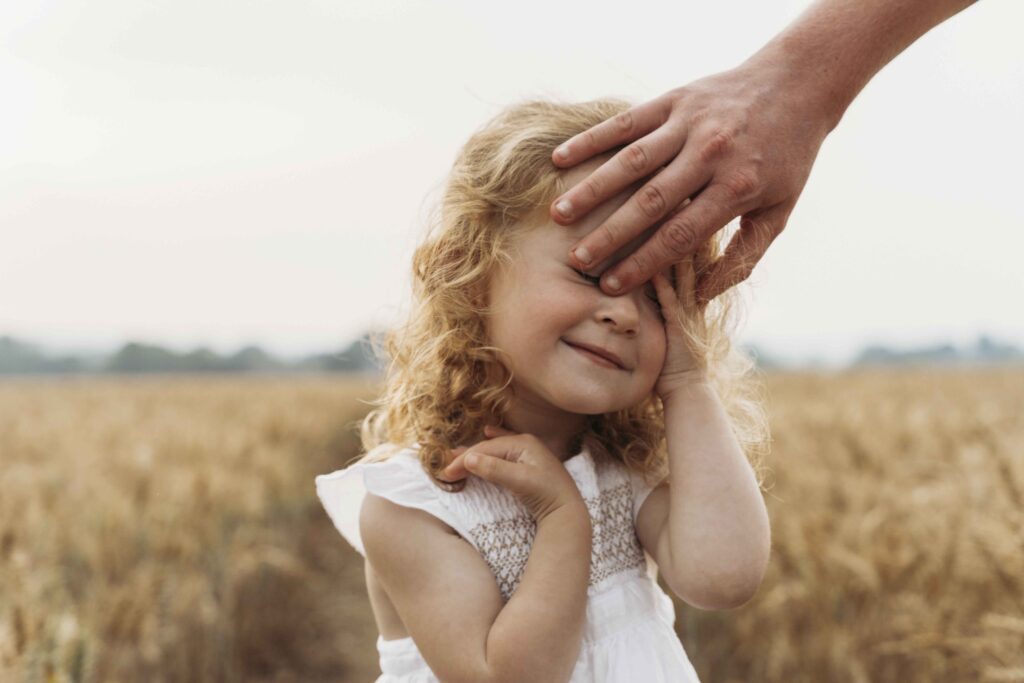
(166, 529)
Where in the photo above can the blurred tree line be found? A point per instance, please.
(19, 357)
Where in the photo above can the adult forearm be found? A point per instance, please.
(538, 634)
(830, 52)
(718, 528)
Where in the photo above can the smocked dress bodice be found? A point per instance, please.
(628, 634)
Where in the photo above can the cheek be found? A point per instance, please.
(553, 305)
(527, 318)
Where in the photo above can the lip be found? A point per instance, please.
(597, 350)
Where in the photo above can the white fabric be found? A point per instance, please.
(629, 633)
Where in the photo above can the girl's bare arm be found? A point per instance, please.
(714, 542)
(449, 600)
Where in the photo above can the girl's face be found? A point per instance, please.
(543, 309)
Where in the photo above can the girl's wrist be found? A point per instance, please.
(681, 382)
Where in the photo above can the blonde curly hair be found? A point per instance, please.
(444, 382)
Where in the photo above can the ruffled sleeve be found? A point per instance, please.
(401, 479)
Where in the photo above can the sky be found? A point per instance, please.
(224, 173)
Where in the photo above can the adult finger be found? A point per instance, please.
(676, 238)
(757, 231)
(684, 177)
(637, 161)
(618, 130)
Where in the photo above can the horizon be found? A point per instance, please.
(772, 354)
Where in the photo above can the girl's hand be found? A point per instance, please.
(680, 311)
(522, 464)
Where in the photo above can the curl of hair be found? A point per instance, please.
(443, 380)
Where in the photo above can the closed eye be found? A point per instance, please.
(592, 279)
(596, 280)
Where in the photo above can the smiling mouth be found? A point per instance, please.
(593, 357)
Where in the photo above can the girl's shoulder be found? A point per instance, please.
(390, 472)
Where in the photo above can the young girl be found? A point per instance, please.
(542, 449)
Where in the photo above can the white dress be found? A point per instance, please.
(629, 633)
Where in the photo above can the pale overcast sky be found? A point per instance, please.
(222, 173)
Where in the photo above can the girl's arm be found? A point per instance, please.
(716, 532)
(539, 633)
(449, 601)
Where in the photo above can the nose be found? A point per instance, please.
(621, 312)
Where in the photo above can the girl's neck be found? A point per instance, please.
(561, 435)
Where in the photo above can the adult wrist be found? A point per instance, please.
(797, 77)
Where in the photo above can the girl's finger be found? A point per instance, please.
(663, 288)
(458, 450)
(498, 447)
(455, 470)
(451, 467)
(491, 461)
(685, 281)
(496, 430)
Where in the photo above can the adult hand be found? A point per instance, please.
(737, 143)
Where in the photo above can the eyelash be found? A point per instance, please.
(594, 280)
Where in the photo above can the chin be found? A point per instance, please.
(597, 403)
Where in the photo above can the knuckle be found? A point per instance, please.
(720, 143)
(698, 115)
(652, 201)
(742, 185)
(593, 189)
(623, 122)
(610, 234)
(680, 236)
(764, 230)
(635, 159)
(641, 264)
(678, 93)
(739, 272)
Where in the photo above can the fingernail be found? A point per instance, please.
(564, 207)
(613, 283)
(562, 152)
(582, 255)
(471, 460)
